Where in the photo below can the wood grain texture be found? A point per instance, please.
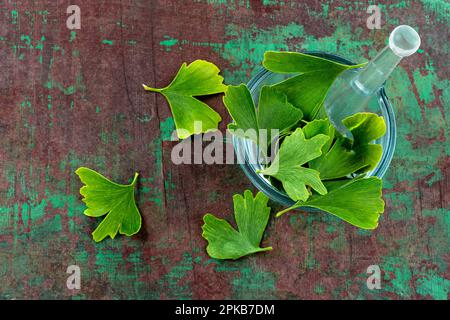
(74, 98)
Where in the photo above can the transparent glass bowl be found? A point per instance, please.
(247, 152)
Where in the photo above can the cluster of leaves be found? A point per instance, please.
(315, 165)
(273, 112)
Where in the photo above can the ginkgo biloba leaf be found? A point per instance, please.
(274, 112)
(192, 116)
(251, 215)
(103, 196)
(357, 201)
(294, 152)
(308, 89)
(365, 127)
(348, 156)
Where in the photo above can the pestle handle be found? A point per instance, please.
(403, 42)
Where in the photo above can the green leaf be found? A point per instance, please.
(357, 201)
(273, 112)
(365, 127)
(199, 78)
(103, 196)
(348, 156)
(320, 126)
(308, 89)
(239, 103)
(251, 215)
(294, 152)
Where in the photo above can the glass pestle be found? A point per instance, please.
(353, 89)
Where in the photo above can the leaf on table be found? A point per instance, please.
(192, 116)
(308, 89)
(251, 215)
(103, 196)
(357, 201)
(274, 112)
(348, 156)
(294, 152)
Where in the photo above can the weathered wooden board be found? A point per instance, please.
(74, 98)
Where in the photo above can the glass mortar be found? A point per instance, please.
(247, 152)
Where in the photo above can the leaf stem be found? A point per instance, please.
(265, 249)
(280, 213)
(136, 175)
(360, 65)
